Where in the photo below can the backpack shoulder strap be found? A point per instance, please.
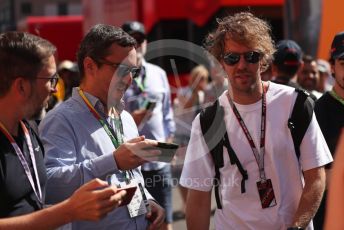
(213, 129)
(211, 120)
(215, 135)
(300, 118)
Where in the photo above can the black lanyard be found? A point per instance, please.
(259, 155)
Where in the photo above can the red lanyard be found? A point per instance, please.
(259, 155)
(23, 160)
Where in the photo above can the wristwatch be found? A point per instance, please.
(295, 228)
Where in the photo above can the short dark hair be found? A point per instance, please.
(22, 55)
(308, 58)
(97, 42)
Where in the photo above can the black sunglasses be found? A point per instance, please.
(250, 57)
(53, 79)
(122, 69)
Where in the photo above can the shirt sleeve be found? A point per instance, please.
(65, 171)
(314, 150)
(198, 170)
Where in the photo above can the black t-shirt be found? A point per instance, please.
(330, 116)
(16, 194)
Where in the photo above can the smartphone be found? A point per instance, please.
(130, 194)
(150, 105)
(168, 150)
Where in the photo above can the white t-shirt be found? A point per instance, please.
(243, 210)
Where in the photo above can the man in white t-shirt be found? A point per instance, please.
(281, 192)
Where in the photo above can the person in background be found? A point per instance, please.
(329, 110)
(287, 63)
(69, 73)
(308, 76)
(24, 91)
(326, 81)
(91, 136)
(148, 100)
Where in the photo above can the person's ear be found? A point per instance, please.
(90, 66)
(22, 87)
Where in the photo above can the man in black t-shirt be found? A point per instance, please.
(27, 78)
(16, 195)
(329, 110)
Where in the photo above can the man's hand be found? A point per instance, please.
(140, 115)
(93, 201)
(135, 152)
(155, 215)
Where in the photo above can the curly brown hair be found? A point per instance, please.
(243, 28)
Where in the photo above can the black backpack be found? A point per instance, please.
(213, 127)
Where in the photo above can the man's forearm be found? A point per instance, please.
(49, 218)
(198, 210)
(311, 197)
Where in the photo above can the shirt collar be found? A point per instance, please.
(98, 105)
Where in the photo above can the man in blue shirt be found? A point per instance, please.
(90, 136)
(149, 102)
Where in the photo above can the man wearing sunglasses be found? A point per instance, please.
(91, 136)
(276, 190)
(149, 102)
(27, 78)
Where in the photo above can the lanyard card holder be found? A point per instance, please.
(266, 193)
(138, 204)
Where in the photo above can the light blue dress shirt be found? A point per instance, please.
(155, 88)
(77, 150)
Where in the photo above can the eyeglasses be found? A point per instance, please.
(53, 79)
(251, 57)
(123, 70)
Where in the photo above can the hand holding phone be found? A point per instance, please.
(150, 105)
(129, 196)
(168, 150)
